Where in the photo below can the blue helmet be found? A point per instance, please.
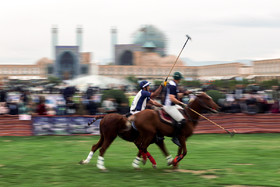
(144, 84)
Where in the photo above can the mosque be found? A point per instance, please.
(145, 58)
(69, 62)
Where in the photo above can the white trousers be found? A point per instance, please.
(174, 112)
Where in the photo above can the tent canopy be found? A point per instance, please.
(82, 83)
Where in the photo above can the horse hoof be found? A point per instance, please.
(135, 166)
(104, 170)
(83, 162)
(144, 162)
(169, 163)
(155, 166)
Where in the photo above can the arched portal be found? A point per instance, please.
(67, 65)
(126, 58)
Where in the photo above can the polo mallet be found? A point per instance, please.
(188, 38)
(231, 133)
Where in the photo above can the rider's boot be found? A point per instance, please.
(177, 130)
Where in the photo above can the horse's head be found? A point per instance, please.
(206, 102)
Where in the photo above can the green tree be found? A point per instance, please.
(54, 80)
(269, 83)
(133, 80)
(118, 95)
(194, 83)
(216, 95)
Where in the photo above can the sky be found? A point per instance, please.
(221, 30)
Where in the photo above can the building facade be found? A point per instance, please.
(266, 69)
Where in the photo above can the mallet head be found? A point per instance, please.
(189, 38)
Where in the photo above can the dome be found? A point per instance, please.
(152, 37)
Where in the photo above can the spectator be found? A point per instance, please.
(25, 97)
(41, 107)
(109, 105)
(13, 107)
(70, 106)
(276, 99)
(60, 107)
(23, 108)
(3, 108)
(3, 95)
(92, 106)
(81, 107)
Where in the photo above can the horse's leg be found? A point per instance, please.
(151, 158)
(143, 145)
(107, 142)
(137, 160)
(180, 155)
(162, 147)
(93, 149)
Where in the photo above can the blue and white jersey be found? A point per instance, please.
(171, 89)
(140, 101)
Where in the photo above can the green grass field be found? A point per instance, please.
(212, 160)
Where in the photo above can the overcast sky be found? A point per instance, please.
(221, 30)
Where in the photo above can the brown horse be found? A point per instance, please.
(148, 124)
(113, 125)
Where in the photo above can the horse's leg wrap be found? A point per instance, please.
(89, 157)
(144, 156)
(100, 163)
(86, 161)
(169, 160)
(135, 162)
(177, 159)
(151, 159)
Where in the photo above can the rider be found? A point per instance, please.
(172, 104)
(138, 104)
(143, 97)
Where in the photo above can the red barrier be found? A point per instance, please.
(241, 123)
(10, 125)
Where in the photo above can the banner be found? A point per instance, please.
(55, 125)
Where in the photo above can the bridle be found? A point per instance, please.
(210, 109)
(202, 104)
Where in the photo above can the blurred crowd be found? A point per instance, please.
(91, 102)
(68, 102)
(251, 101)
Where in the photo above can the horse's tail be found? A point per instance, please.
(95, 119)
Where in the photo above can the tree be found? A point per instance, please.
(216, 95)
(54, 80)
(133, 80)
(118, 95)
(269, 83)
(194, 83)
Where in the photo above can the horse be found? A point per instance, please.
(113, 125)
(149, 124)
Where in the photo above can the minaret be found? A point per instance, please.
(114, 41)
(54, 31)
(79, 37)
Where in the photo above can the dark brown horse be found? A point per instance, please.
(113, 125)
(148, 124)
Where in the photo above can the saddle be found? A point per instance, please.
(166, 118)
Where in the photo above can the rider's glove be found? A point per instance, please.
(183, 105)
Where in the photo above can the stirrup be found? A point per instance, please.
(176, 141)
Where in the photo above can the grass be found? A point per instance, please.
(212, 160)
